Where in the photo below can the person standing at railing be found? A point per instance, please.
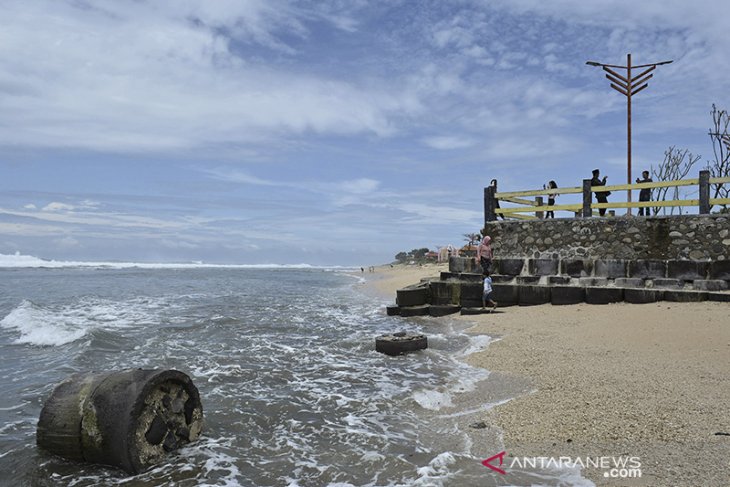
(601, 196)
(551, 198)
(645, 193)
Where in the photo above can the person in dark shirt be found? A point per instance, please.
(551, 198)
(601, 196)
(644, 194)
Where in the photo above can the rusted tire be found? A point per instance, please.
(398, 343)
(128, 419)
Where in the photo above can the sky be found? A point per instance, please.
(325, 132)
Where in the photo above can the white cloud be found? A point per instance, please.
(141, 76)
(447, 142)
(56, 206)
(60, 213)
(440, 213)
(358, 186)
(66, 242)
(350, 186)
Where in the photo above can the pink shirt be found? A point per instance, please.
(484, 249)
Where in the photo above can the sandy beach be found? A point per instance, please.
(649, 381)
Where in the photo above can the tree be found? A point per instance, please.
(720, 167)
(472, 238)
(419, 254)
(676, 165)
(401, 257)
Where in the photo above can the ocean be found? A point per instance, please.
(293, 391)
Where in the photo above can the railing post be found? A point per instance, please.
(704, 192)
(538, 202)
(587, 197)
(489, 204)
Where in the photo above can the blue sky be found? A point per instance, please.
(324, 132)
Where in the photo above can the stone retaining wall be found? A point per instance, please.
(693, 237)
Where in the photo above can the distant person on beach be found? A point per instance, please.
(551, 198)
(601, 196)
(645, 193)
(484, 254)
(493, 183)
(487, 292)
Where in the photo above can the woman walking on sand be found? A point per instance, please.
(484, 253)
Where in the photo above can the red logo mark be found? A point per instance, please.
(496, 469)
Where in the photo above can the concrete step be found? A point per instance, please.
(421, 310)
(542, 267)
(510, 267)
(559, 280)
(567, 295)
(687, 270)
(720, 269)
(527, 280)
(710, 285)
(720, 297)
(412, 296)
(443, 310)
(475, 311)
(392, 310)
(642, 296)
(593, 281)
(665, 282)
(609, 268)
(533, 295)
(604, 295)
(461, 276)
(629, 282)
(683, 296)
(647, 268)
(576, 267)
(504, 295)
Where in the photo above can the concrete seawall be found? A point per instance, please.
(526, 282)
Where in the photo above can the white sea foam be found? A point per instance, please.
(477, 343)
(58, 325)
(433, 400)
(436, 471)
(39, 327)
(19, 260)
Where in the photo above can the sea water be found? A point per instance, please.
(293, 391)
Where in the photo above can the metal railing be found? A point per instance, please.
(531, 210)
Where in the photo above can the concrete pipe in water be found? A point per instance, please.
(129, 419)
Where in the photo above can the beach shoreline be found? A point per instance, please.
(645, 381)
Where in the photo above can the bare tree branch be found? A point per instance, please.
(720, 167)
(676, 165)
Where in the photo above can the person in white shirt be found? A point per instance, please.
(487, 293)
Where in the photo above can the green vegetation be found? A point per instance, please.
(419, 256)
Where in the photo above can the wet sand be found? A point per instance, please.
(649, 381)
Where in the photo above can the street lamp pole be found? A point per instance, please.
(628, 86)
